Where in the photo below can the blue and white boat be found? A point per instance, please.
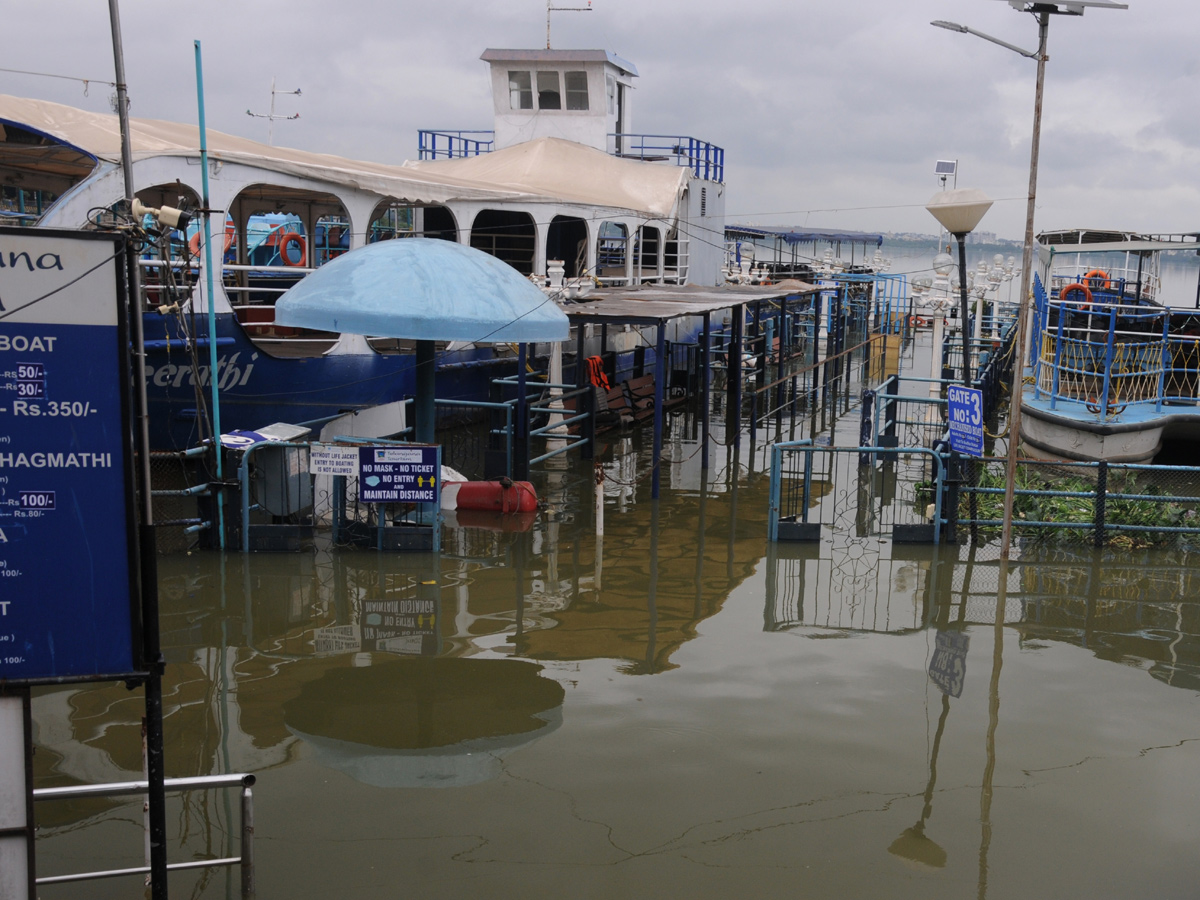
(616, 209)
(1113, 372)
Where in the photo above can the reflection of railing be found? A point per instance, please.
(453, 144)
(706, 160)
(174, 786)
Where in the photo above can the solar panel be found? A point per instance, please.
(946, 167)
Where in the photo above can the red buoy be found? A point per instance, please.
(497, 496)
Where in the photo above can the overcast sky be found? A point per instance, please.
(831, 114)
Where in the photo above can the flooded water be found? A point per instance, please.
(676, 709)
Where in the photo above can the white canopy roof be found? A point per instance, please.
(569, 172)
(545, 170)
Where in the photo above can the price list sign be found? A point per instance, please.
(67, 595)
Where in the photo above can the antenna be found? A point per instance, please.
(271, 117)
(551, 8)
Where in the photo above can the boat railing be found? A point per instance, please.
(705, 159)
(1098, 360)
(433, 144)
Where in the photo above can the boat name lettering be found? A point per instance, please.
(14, 257)
(22, 343)
(56, 461)
(229, 374)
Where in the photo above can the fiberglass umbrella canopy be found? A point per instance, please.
(426, 290)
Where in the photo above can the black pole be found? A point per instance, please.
(521, 425)
(706, 381)
(155, 765)
(584, 405)
(962, 292)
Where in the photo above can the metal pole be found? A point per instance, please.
(1018, 369)
(212, 307)
(660, 371)
(248, 887)
(963, 310)
(135, 272)
(706, 380)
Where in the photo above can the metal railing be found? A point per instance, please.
(705, 159)
(173, 785)
(454, 144)
(1100, 358)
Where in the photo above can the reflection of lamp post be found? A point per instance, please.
(912, 844)
(959, 211)
(1043, 10)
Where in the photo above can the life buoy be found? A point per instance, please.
(916, 322)
(1086, 304)
(1098, 279)
(194, 242)
(287, 240)
(1093, 406)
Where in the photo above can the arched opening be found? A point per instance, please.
(507, 235)
(438, 223)
(647, 252)
(169, 269)
(612, 247)
(35, 170)
(567, 239)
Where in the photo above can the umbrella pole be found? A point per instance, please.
(426, 408)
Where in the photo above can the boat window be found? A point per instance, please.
(611, 245)
(390, 220)
(577, 90)
(548, 93)
(34, 172)
(612, 95)
(520, 91)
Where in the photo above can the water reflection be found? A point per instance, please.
(424, 722)
(659, 697)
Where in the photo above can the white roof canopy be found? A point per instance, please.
(546, 170)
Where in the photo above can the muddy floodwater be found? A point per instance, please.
(676, 709)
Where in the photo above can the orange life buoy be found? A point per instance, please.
(1093, 406)
(1077, 288)
(1098, 279)
(194, 241)
(916, 322)
(284, 242)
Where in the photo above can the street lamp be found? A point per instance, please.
(959, 211)
(1042, 10)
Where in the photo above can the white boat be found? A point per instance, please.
(1113, 372)
(533, 199)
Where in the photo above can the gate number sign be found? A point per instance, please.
(966, 419)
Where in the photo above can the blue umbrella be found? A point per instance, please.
(424, 290)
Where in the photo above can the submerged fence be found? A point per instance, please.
(913, 494)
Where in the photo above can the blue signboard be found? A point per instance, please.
(948, 665)
(67, 595)
(965, 406)
(407, 474)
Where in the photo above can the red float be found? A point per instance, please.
(497, 496)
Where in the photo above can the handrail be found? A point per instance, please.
(245, 781)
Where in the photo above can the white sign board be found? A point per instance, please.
(333, 459)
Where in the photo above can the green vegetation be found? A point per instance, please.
(1149, 512)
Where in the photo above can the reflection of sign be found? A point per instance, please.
(400, 625)
(332, 459)
(66, 521)
(398, 474)
(948, 667)
(965, 406)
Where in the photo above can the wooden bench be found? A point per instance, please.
(640, 393)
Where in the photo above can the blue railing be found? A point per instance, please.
(1100, 356)
(706, 160)
(454, 144)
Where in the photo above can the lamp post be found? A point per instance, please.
(959, 211)
(1042, 10)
